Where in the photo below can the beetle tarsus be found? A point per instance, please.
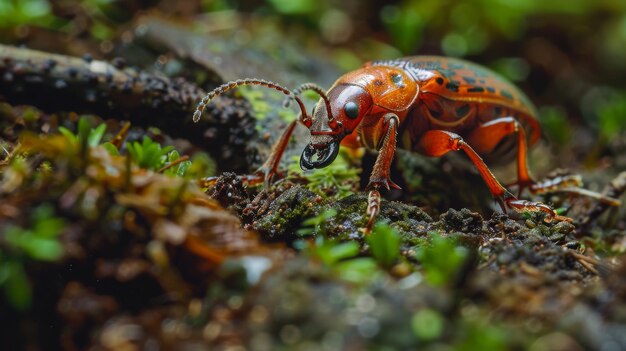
(373, 208)
(531, 206)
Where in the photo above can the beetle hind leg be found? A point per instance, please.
(437, 143)
(485, 140)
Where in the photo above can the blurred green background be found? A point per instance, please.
(569, 56)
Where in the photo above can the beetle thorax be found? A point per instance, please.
(391, 88)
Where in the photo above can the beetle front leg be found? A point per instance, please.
(373, 208)
(269, 169)
(380, 174)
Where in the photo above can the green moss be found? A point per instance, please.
(288, 212)
(337, 180)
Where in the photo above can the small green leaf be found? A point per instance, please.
(42, 249)
(427, 324)
(40, 241)
(16, 287)
(111, 149)
(95, 135)
(68, 134)
(342, 251)
(441, 260)
(148, 153)
(384, 244)
(357, 270)
(84, 129)
(313, 225)
(48, 227)
(331, 251)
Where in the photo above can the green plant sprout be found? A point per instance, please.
(313, 225)
(384, 244)
(84, 133)
(148, 153)
(339, 175)
(39, 242)
(441, 260)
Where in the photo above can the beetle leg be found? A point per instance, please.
(485, 138)
(531, 206)
(269, 169)
(380, 174)
(373, 208)
(437, 143)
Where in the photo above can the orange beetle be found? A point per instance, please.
(428, 104)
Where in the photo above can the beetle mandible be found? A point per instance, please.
(428, 104)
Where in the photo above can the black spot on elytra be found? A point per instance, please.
(506, 94)
(498, 111)
(476, 90)
(491, 90)
(462, 111)
(452, 87)
(469, 80)
(439, 80)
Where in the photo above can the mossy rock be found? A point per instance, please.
(286, 214)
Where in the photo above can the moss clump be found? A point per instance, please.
(287, 212)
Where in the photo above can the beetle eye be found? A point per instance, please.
(351, 109)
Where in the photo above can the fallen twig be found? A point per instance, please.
(613, 190)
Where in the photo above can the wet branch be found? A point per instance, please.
(64, 83)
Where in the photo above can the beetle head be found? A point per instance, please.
(348, 104)
(335, 116)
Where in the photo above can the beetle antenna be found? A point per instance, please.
(248, 81)
(316, 88)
